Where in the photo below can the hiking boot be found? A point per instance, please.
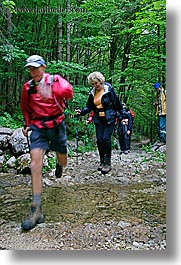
(100, 167)
(35, 217)
(58, 171)
(101, 164)
(107, 167)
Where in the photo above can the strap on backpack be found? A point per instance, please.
(31, 84)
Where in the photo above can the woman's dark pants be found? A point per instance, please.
(103, 134)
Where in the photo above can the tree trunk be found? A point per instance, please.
(10, 99)
(127, 49)
(60, 34)
(68, 38)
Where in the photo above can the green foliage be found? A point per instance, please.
(125, 40)
(147, 148)
(51, 164)
(9, 5)
(155, 155)
(66, 68)
(10, 52)
(12, 121)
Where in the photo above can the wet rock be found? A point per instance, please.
(6, 131)
(2, 159)
(123, 224)
(5, 134)
(18, 142)
(11, 162)
(23, 164)
(4, 141)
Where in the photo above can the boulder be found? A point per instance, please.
(18, 143)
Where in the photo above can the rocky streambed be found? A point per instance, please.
(85, 210)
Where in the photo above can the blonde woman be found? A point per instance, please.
(103, 101)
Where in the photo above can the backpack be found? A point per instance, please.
(32, 90)
(31, 84)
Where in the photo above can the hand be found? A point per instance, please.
(77, 111)
(87, 122)
(26, 130)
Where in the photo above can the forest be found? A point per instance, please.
(123, 39)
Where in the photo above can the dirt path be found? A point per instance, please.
(125, 209)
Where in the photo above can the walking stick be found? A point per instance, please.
(28, 142)
(77, 137)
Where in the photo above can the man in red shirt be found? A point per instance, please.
(42, 104)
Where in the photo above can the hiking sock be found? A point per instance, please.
(37, 199)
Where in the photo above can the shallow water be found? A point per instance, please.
(88, 203)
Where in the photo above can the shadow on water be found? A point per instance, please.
(88, 203)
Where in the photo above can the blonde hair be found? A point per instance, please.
(95, 76)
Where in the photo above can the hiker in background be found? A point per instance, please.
(42, 105)
(131, 113)
(160, 105)
(124, 130)
(104, 103)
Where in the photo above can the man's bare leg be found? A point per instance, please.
(36, 215)
(62, 162)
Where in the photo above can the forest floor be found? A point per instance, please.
(86, 210)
